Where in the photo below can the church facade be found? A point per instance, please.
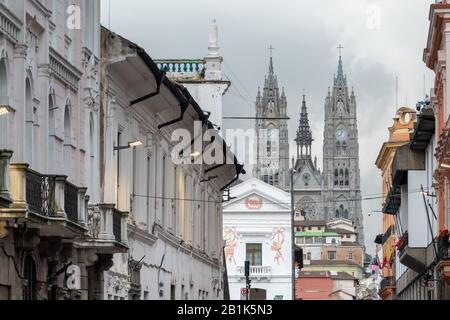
(335, 191)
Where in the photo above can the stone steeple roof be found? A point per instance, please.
(304, 133)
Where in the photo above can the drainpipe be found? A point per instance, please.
(150, 95)
(183, 109)
(239, 170)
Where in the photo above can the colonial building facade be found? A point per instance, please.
(55, 237)
(175, 225)
(257, 228)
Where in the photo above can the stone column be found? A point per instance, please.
(20, 54)
(60, 182)
(5, 156)
(18, 176)
(106, 222)
(124, 228)
(82, 206)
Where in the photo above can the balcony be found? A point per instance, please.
(392, 202)
(182, 69)
(107, 229)
(45, 202)
(389, 232)
(387, 283)
(442, 246)
(406, 160)
(413, 258)
(258, 272)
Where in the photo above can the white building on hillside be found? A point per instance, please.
(257, 228)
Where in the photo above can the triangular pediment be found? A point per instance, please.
(255, 195)
(307, 177)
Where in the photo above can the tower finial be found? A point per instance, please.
(213, 48)
(340, 74)
(340, 50)
(271, 50)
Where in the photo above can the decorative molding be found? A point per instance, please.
(65, 71)
(41, 7)
(10, 25)
(20, 51)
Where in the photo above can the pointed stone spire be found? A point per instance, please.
(304, 134)
(283, 94)
(340, 74)
(271, 66)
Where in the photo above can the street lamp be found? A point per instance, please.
(131, 144)
(4, 110)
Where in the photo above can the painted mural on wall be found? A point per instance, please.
(231, 240)
(278, 240)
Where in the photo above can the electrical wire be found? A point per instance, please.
(363, 198)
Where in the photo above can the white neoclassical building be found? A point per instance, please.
(257, 228)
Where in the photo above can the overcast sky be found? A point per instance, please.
(381, 39)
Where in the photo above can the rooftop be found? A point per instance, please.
(310, 223)
(341, 231)
(342, 276)
(314, 274)
(316, 234)
(333, 263)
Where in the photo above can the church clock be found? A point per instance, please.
(341, 135)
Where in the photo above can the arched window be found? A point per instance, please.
(29, 123)
(333, 241)
(346, 177)
(346, 214)
(67, 141)
(3, 79)
(341, 177)
(336, 177)
(337, 214)
(29, 273)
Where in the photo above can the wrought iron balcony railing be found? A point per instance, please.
(40, 194)
(117, 225)
(71, 201)
(48, 196)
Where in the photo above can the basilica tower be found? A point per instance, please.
(272, 147)
(341, 174)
